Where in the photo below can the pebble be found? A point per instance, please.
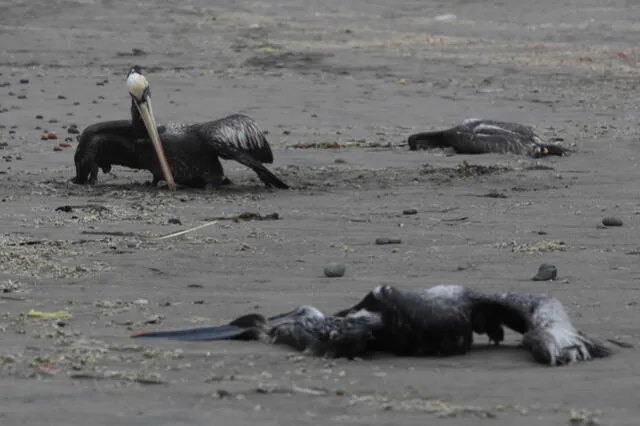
(57, 148)
(383, 241)
(73, 130)
(611, 221)
(546, 272)
(174, 221)
(333, 270)
(410, 211)
(24, 81)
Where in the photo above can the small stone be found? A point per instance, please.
(611, 221)
(62, 97)
(546, 272)
(57, 148)
(52, 136)
(73, 130)
(174, 221)
(39, 117)
(383, 241)
(410, 211)
(24, 81)
(334, 270)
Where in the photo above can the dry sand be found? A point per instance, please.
(359, 73)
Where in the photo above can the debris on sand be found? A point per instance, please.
(543, 246)
(431, 406)
(494, 194)
(178, 233)
(384, 241)
(335, 270)
(546, 272)
(49, 315)
(44, 258)
(137, 377)
(584, 417)
(338, 145)
(468, 170)
(410, 211)
(111, 233)
(316, 145)
(464, 170)
(94, 207)
(246, 216)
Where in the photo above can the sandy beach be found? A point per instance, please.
(361, 75)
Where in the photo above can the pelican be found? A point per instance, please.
(435, 321)
(235, 137)
(192, 151)
(478, 136)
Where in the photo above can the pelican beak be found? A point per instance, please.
(200, 334)
(138, 87)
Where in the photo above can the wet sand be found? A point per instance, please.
(364, 74)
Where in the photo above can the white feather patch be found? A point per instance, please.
(137, 84)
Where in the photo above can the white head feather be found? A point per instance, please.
(137, 84)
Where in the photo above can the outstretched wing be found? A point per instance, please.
(547, 330)
(235, 134)
(238, 137)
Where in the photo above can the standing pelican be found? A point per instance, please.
(235, 137)
(437, 321)
(476, 136)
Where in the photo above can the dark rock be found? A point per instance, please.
(546, 272)
(410, 211)
(611, 221)
(174, 221)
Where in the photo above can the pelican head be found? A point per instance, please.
(138, 85)
(140, 93)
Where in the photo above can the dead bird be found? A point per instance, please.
(435, 321)
(478, 136)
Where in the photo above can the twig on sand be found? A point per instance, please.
(208, 222)
(246, 216)
(146, 237)
(177, 234)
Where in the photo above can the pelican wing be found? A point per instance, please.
(548, 333)
(237, 133)
(238, 137)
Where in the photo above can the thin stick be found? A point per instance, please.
(177, 234)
